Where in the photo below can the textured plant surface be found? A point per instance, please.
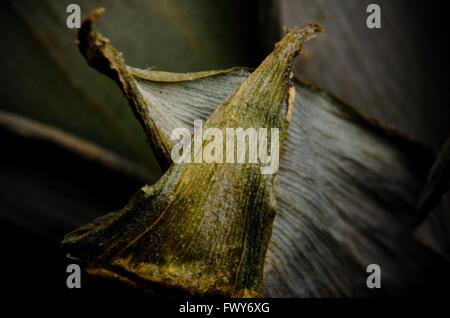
(349, 191)
(344, 197)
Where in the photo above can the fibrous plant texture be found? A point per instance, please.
(344, 196)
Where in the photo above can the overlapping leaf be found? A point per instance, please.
(346, 189)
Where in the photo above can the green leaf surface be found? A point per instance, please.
(202, 228)
(346, 190)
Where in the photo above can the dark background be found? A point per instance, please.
(398, 74)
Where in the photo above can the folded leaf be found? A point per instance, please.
(202, 228)
(346, 188)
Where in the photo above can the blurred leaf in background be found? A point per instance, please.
(395, 74)
(49, 81)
